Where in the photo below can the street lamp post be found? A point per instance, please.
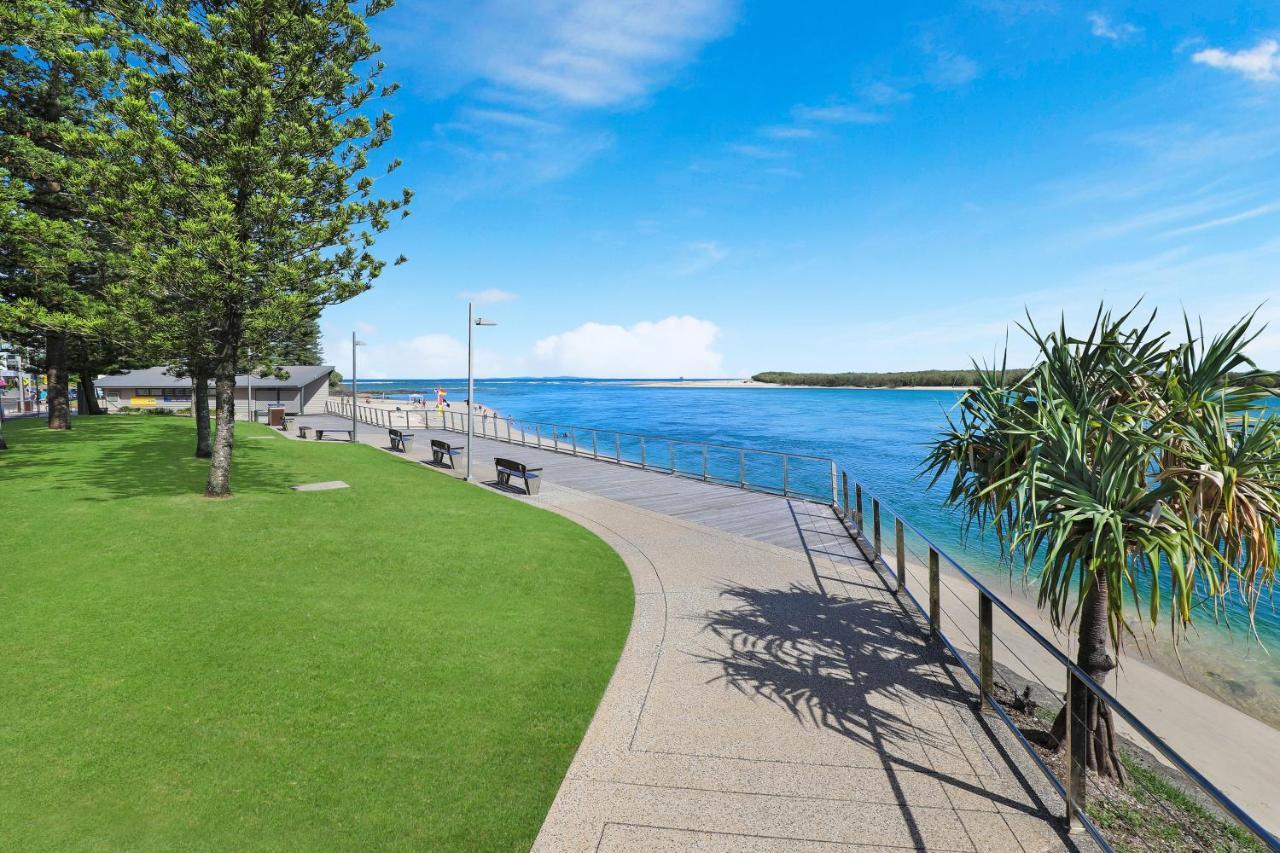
(354, 344)
(472, 322)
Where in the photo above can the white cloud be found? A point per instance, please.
(580, 53)
(366, 328)
(528, 75)
(837, 114)
(490, 296)
(1103, 27)
(675, 346)
(1260, 62)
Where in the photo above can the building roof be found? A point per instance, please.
(160, 377)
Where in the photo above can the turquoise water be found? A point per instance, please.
(878, 436)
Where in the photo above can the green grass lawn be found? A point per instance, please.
(409, 663)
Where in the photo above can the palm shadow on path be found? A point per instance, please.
(854, 664)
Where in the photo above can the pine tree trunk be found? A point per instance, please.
(87, 395)
(1094, 657)
(56, 370)
(219, 484)
(200, 408)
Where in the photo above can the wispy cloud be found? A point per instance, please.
(530, 75)
(490, 296)
(786, 131)
(1103, 27)
(948, 69)
(581, 53)
(757, 152)
(700, 256)
(885, 94)
(838, 114)
(1014, 9)
(1242, 216)
(1167, 214)
(1260, 62)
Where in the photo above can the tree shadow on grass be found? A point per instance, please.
(119, 456)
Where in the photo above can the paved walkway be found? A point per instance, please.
(771, 696)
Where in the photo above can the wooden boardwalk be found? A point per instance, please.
(763, 517)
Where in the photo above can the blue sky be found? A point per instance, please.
(713, 188)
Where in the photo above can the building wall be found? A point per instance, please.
(117, 399)
(314, 396)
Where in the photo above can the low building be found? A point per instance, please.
(305, 391)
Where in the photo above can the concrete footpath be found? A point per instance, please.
(775, 698)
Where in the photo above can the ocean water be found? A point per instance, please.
(880, 438)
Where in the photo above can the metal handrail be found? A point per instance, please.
(1072, 792)
(518, 431)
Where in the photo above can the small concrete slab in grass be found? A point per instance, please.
(320, 487)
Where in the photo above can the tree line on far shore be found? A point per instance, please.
(189, 184)
(911, 378)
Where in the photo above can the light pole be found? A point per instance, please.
(472, 322)
(354, 344)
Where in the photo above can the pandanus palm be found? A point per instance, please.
(1123, 467)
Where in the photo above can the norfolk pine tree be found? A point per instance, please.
(249, 123)
(57, 73)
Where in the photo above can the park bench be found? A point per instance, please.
(508, 468)
(442, 450)
(320, 431)
(303, 429)
(401, 440)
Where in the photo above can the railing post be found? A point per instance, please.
(1077, 747)
(986, 661)
(742, 469)
(844, 477)
(834, 495)
(784, 475)
(935, 599)
(900, 551)
(595, 445)
(617, 448)
(644, 456)
(671, 448)
(573, 438)
(555, 438)
(857, 514)
(704, 463)
(875, 523)
(538, 432)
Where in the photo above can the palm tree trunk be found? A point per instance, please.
(1093, 655)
